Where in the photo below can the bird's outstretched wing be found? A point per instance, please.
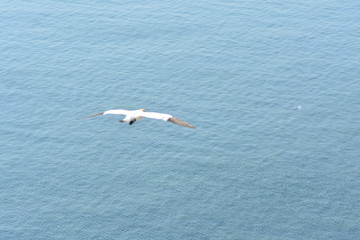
(155, 115)
(166, 117)
(114, 111)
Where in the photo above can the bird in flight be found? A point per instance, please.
(131, 116)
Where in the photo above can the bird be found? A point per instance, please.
(132, 116)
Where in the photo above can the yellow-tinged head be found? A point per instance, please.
(142, 109)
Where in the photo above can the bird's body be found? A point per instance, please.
(135, 115)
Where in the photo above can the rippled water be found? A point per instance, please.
(273, 88)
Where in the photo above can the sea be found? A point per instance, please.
(273, 88)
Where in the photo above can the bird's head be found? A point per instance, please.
(142, 109)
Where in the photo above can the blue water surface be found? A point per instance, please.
(272, 86)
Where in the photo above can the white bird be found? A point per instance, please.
(135, 115)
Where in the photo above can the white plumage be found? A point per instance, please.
(135, 115)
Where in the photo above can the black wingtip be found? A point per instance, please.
(94, 115)
(180, 122)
